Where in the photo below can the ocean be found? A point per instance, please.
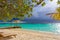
(50, 27)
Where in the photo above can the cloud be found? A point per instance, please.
(49, 7)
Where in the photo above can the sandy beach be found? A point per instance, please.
(21, 34)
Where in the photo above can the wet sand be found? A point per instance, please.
(22, 34)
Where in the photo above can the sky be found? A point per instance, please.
(39, 13)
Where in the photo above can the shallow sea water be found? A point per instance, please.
(50, 27)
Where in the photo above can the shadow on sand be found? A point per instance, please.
(2, 37)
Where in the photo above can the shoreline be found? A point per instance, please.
(40, 31)
(30, 30)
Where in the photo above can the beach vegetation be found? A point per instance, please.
(20, 9)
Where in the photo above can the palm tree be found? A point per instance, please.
(10, 9)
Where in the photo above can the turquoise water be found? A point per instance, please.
(54, 27)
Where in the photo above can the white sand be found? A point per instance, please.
(28, 35)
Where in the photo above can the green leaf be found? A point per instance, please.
(58, 2)
(40, 1)
(43, 4)
(58, 9)
(51, 0)
(9, 10)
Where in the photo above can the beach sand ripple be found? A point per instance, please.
(28, 35)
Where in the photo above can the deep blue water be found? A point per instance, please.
(51, 27)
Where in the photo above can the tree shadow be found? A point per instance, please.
(8, 37)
